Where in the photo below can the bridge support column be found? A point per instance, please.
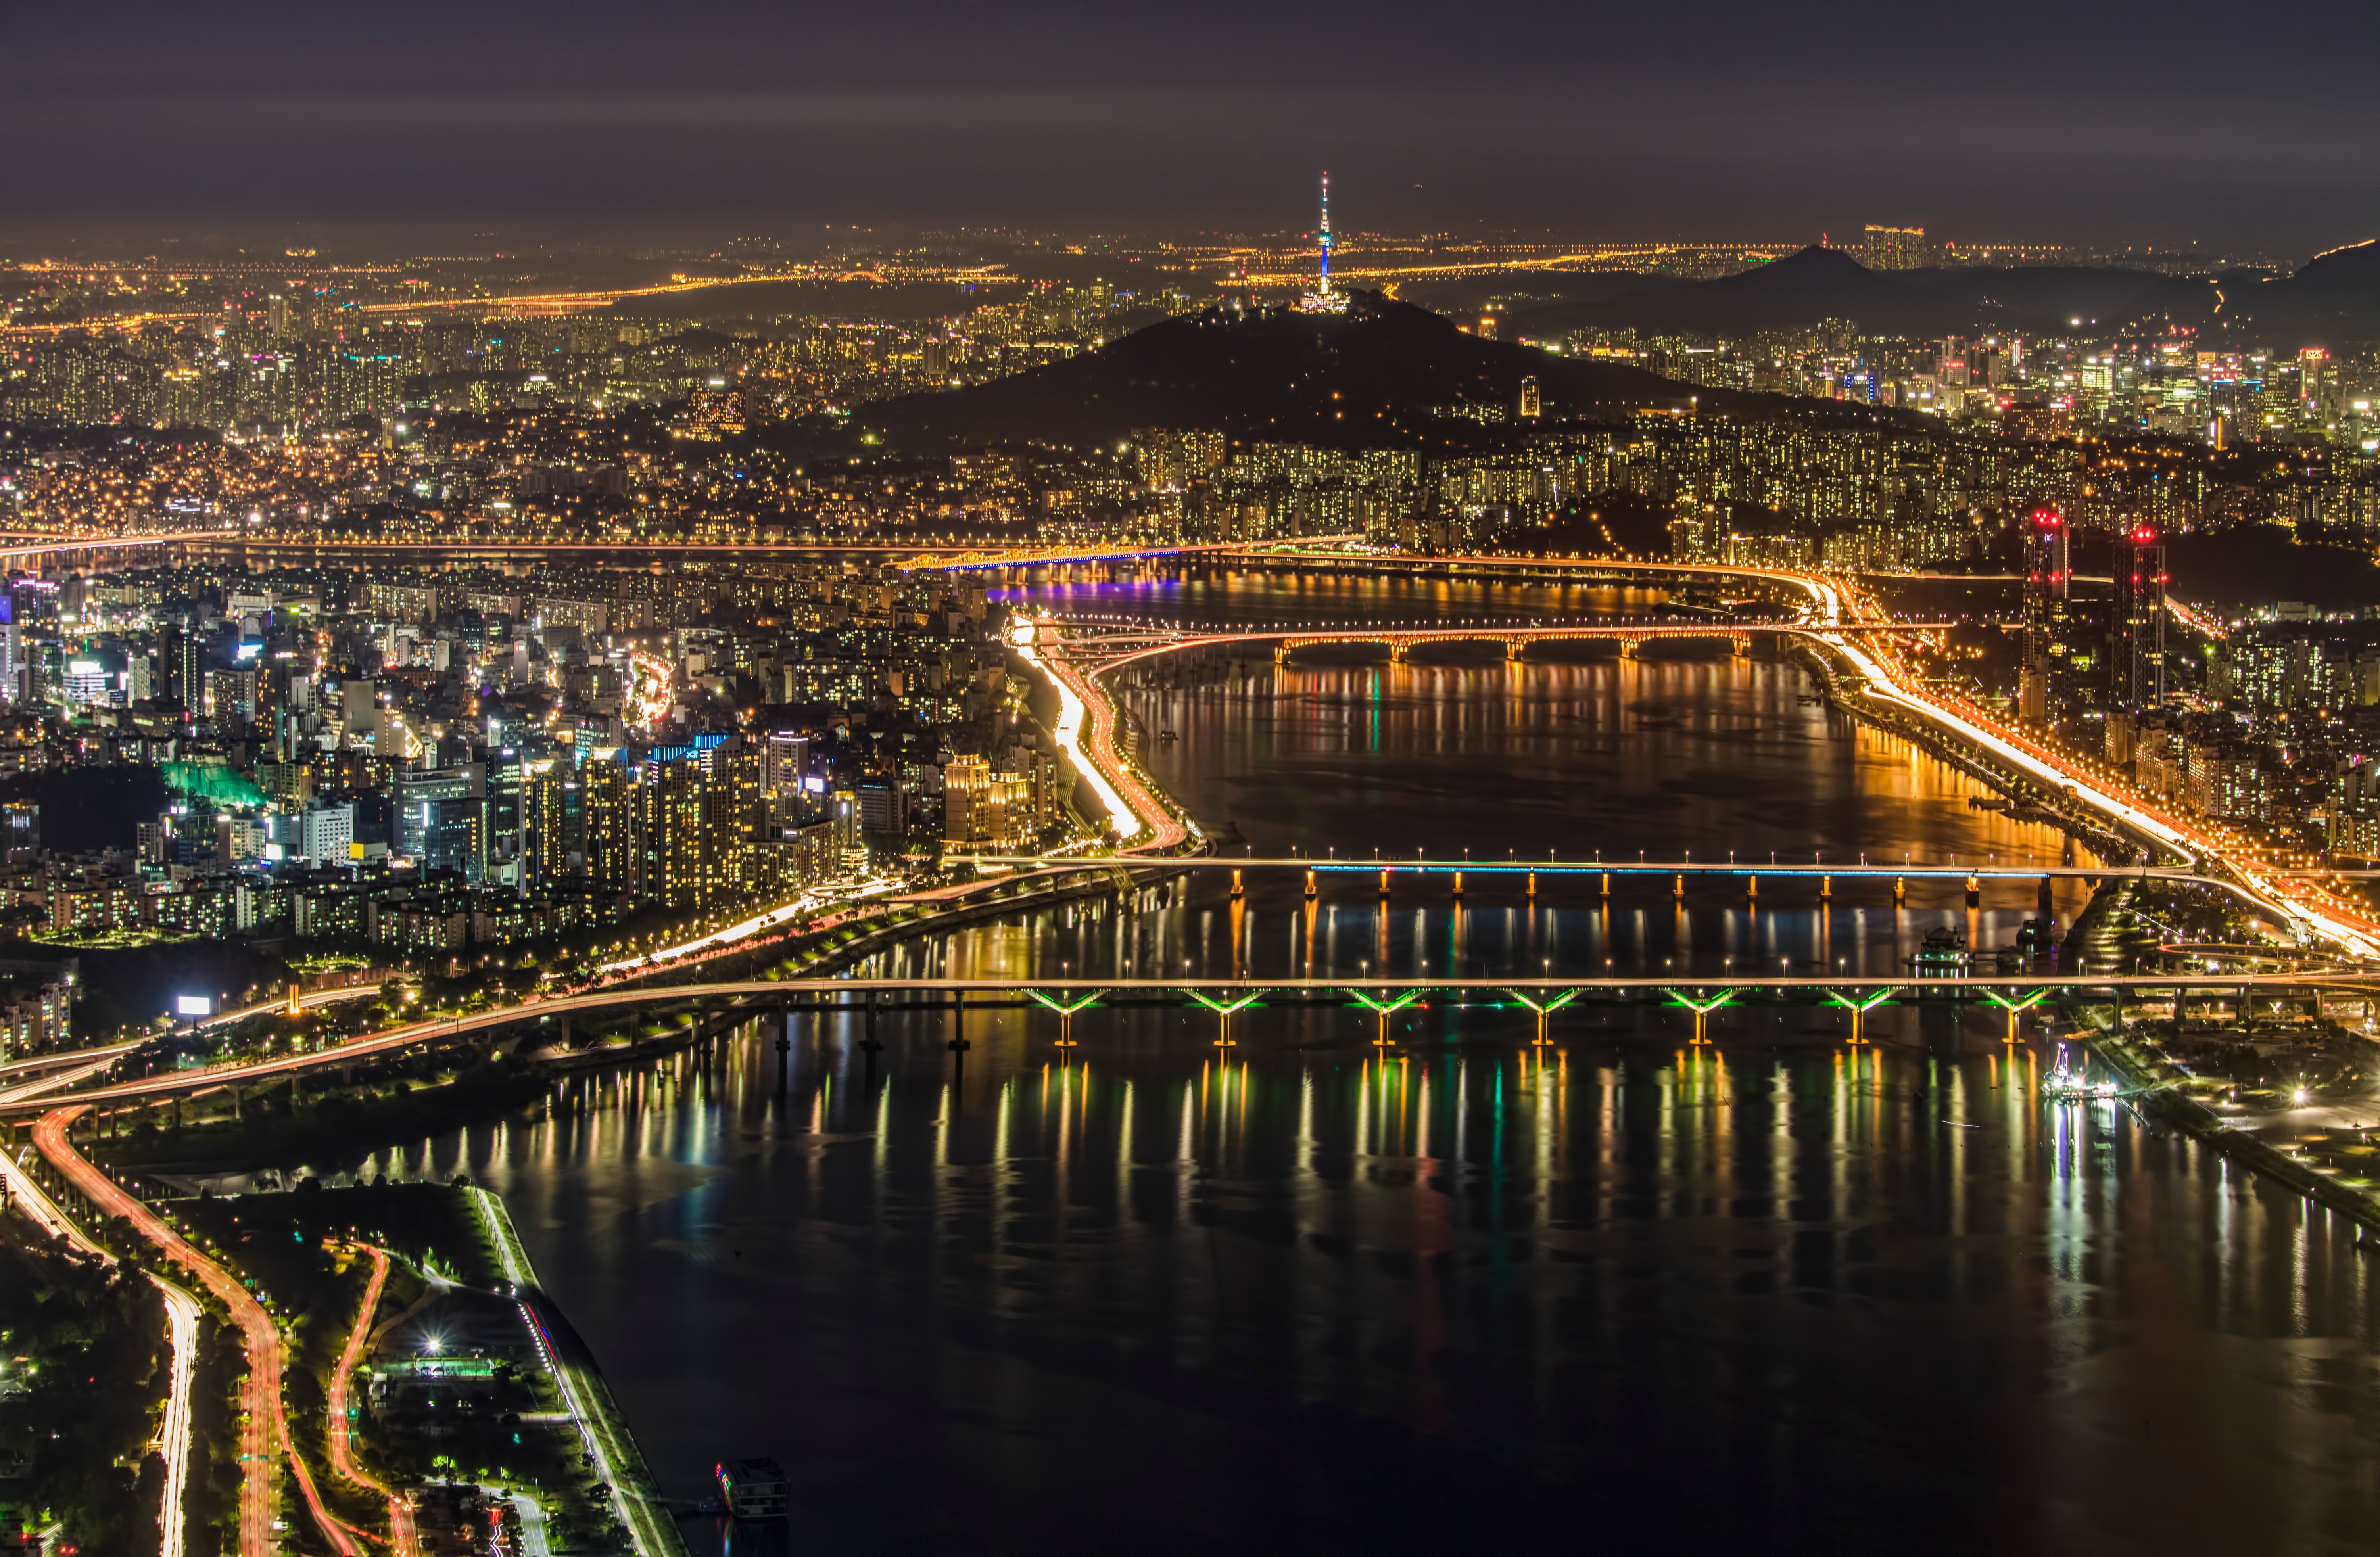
(867, 1043)
(1533, 886)
(958, 1045)
(784, 1048)
(1742, 647)
(1312, 892)
(1607, 884)
(1458, 887)
(1397, 654)
(1239, 887)
(1628, 648)
(1826, 889)
(1512, 648)
(1752, 889)
(1974, 892)
(1679, 891)
(1900, 891)
(1384, 886)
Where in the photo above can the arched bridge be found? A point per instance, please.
(1102, 648)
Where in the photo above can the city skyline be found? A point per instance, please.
(947, 778)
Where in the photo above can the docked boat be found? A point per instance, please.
(2070, 1084)
(755, 1489)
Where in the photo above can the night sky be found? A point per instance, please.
(620, 124)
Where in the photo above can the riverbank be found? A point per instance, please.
(2153, 1088)
(601, 1425)
(444, 1373)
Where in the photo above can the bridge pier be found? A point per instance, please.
(958, 1045)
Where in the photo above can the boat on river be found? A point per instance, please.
(2070, 1083)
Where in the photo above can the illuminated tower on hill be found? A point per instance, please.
(1322, 300)
(1326, 232)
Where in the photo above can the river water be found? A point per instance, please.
(1311, 1295)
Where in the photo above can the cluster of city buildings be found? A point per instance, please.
(284, 363)
(2045, 387)
(2270, 724)
(428, 761)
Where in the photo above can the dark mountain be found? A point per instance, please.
(1820, 283)
(1382, 375)
(2331, 299)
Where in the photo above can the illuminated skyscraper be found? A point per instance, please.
(2138, 636)
(1894, 249)
(2047, 615)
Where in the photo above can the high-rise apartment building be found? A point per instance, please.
(2049, 615)
(2137, 637)
(1893, 248)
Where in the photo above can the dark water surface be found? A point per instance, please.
(1619, 1294)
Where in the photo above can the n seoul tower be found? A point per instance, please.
(1322, 300)
(1326, 232)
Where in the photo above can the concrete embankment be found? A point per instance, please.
(603, 1426)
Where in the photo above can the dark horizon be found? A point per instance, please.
(607, 128)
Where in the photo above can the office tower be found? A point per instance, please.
(1953, 365)
(2137, 643)
(1529, 402)
(442, 820)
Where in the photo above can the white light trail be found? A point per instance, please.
(173, 1437)
(745, 929)
(1068, 734)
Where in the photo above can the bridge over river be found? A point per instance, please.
(720, 1005)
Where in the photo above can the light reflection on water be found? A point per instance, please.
(1775, 1295)
(1796, 1294)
